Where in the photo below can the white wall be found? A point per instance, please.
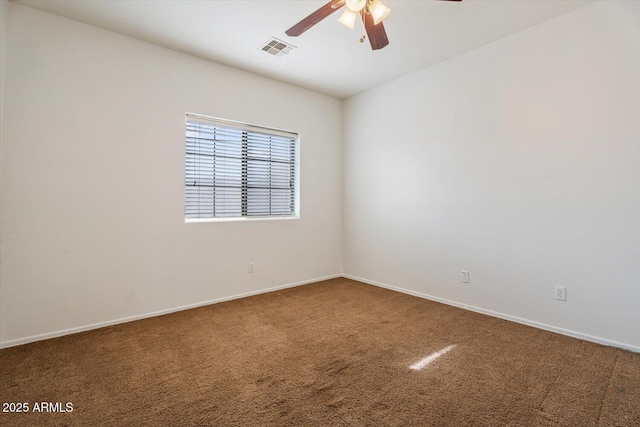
(518, 161)
(92, 181)
(4, 20)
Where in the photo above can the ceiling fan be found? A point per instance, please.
(372, 13)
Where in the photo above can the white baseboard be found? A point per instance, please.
(26, 340)
(574, 334)
(492, 313)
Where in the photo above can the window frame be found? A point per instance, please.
(245, 127)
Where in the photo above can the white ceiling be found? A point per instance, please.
(329, 57)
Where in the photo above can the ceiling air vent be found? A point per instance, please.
(277, 47)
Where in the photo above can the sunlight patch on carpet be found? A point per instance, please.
(431, 358)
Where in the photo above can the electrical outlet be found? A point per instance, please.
(250, 267)
(465, 277)
(561, 293)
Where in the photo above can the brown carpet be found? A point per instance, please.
(334, 353)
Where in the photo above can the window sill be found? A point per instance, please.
(240, 219)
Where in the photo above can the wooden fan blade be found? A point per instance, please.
(314, 18)
(376, 33)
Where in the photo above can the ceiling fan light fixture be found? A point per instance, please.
(356, 5)
(378, 11)
(348, 18)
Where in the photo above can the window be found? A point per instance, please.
(238, 170)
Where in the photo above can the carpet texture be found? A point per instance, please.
(333, 353)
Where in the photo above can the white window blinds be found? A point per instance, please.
(236, 170)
